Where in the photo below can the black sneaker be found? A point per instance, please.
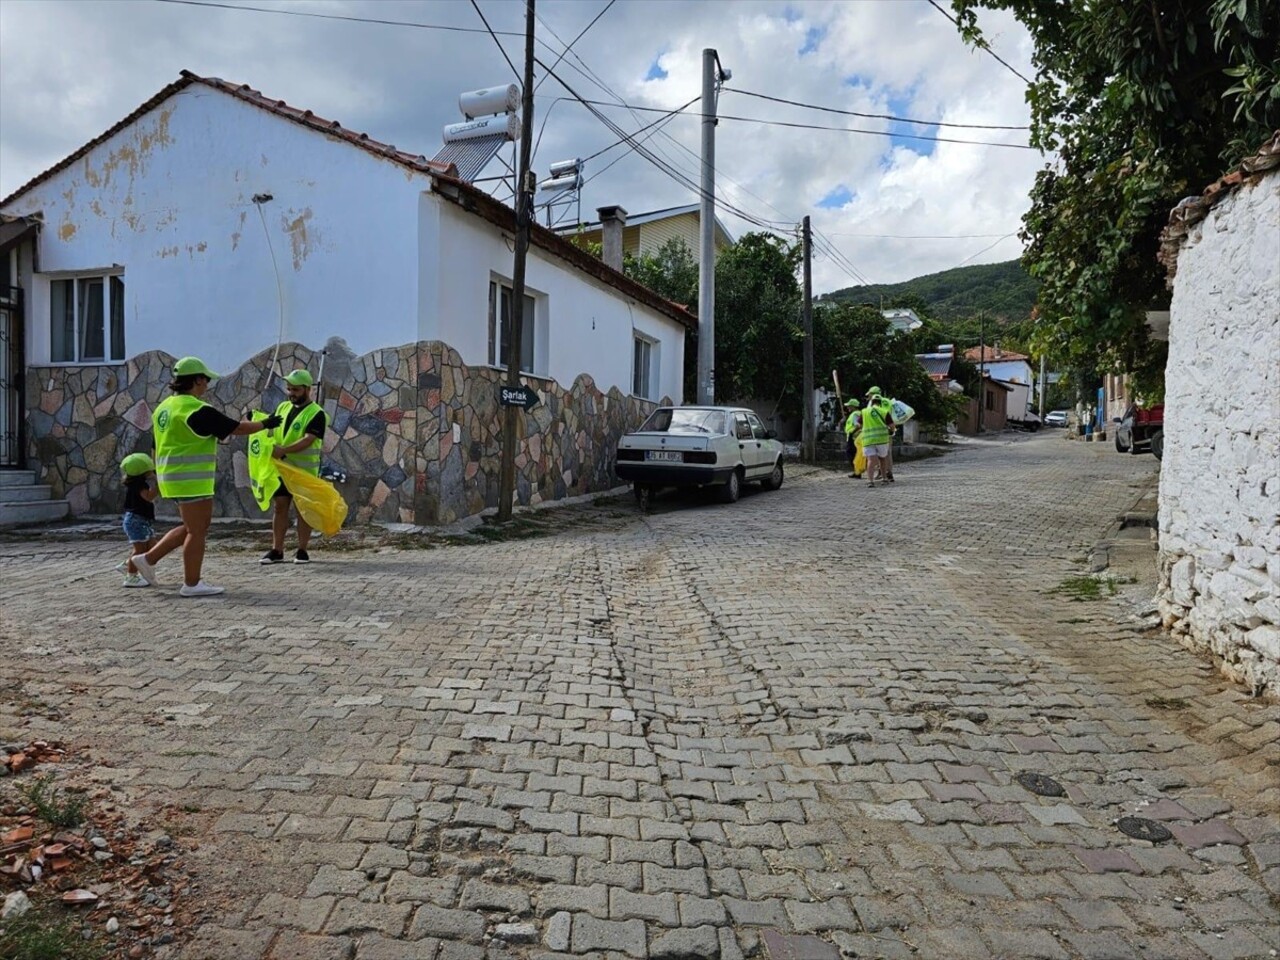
(302, 557)
(889, 477)
(272, 556)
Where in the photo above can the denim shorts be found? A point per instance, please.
(138, 528)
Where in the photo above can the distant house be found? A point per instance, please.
(902, 320)
(646, 233)
(994, 398)
(219, 222)
(1002, 364)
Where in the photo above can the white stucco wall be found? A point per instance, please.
(1220, 477)
(583, 325)
(363, 250)
(169, 199)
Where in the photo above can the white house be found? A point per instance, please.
(1001, 364)
(217, 222)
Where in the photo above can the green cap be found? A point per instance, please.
(136, 464)
(851, 403)
(299, 378)
(192, 365)
(873, 392)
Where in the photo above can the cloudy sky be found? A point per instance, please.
(887, 207)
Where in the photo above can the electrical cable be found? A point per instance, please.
(333, 16)
(818, 126)
(982, 44)
(496, 40)
(876, 116)
(576, 39)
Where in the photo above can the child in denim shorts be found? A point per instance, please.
(139, 512)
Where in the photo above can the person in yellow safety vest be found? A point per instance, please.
(187, 431)
(852, 424)
(877, 433)
(297, 442)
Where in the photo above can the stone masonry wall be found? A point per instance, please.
(1220, 477)
(416, 431)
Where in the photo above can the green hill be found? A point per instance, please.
(1003, 290)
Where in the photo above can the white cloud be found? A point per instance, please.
(69, 70)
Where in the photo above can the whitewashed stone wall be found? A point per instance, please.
(1220, 478)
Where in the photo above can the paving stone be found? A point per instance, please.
(1207, 834)
(590, 933)
(294, 945)
(1106, 861)
(786, 946)
(689, 943)
(478, 895)
(812, 917)
(437, 922)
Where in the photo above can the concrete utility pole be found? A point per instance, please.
(712, 76)
(511, 415)
(806, 434)
(982, 366)
(1042, 386)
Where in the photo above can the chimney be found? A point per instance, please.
(612, 220)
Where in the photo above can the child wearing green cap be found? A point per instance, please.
(138, 471)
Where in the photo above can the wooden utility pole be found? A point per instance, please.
(512, 416)
(806, 433)
(982, 366)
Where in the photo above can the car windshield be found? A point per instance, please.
(680, 420)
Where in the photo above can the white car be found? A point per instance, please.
(700, 447)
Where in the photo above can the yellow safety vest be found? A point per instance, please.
(186, 463)
(308, 458)
(874, 429)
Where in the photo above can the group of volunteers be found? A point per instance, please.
(869, 430)
(186, 431)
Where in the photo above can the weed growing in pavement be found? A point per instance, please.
(41, 934)
(1089, 587)
(51, 805)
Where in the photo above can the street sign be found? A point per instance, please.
(517, 397)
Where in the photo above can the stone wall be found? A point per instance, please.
(1220, 477)
(416, 431)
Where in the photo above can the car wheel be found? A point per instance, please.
(1120, 447)
(732, 488)
(1157, 444)
(774, 480)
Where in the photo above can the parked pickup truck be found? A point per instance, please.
(1141, 429)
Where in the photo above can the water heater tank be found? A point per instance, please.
(480, 103)
(503, 125)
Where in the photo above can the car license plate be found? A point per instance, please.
(673, 456)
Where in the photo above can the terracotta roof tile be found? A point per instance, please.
(1191, 210)
(246, 93)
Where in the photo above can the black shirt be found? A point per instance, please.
(315, 427)
(208, 422)
(133, 499)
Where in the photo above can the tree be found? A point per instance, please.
(758, 332)
(1144, 103)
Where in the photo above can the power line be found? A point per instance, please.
(985, 249)
(982, 44)
(581, 33)
(333, 16)
(815, 126)
(496, 40)
(875, 116)
(668, 116)
(921, 236)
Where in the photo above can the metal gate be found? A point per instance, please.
(11, 377)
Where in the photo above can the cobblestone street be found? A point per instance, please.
(787, 728)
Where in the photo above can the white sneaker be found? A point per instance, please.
(147, 570)
(201, 589)
(134, 580)
(121, 567)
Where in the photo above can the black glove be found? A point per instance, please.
(272, 421)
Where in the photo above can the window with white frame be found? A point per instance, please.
(500, 297)
(644, 367)
(86, 319)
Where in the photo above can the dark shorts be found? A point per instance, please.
(282, 493)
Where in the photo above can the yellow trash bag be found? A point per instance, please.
(317, 501)
(859, 458)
